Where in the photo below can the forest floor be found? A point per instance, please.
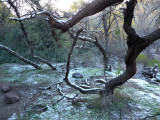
(44, 96)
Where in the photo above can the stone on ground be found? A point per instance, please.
(11, 97)
(158, 77)
(6, 88)
(77, 75)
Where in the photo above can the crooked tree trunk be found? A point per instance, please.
(130, 62)
(107, 23)
(135, 43)
(105, 26)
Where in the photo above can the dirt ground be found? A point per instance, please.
(25, 92)
(7, 110)
(136, 99)
(29, 98)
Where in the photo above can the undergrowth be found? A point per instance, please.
(148, 62)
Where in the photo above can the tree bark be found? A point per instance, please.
(44, 61)
(136, 45)
(106, 19)
(105, 26)
(88, 9)
(19, 56)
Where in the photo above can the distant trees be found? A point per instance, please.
(34, 43)
(135, 43)
(76, 5)
(103, 27)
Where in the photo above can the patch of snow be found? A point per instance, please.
(140, 82)
(13, 117)
(155, 97)
(112, 74)
(150, 93)
(19, 68)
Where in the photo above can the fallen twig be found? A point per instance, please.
(151, 116)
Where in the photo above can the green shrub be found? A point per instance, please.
(149, 62)
(152, 62)
(141, 58)
(118, 72)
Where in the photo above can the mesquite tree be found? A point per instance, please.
(136, 44)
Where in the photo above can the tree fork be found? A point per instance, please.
(130, 59)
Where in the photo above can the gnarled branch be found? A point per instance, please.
(19, 56)
(95, 42)
(82, 90)
(136, 45)
(88, 9)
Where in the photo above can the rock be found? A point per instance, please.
(6, 88)
(155, 70)
(77, 75)
(153, 80)
(147, 72)
(158, 77)
(11, 97)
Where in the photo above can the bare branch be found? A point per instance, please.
(29, 43)
(63, 94)
(100, 81)
(82, 90)
(128, 16)
(30, 16)
(19, 56)
(151, 116)
(88, 9)
(149, 39)
(44, 61)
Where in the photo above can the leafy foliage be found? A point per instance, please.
(141, 58)
(149, 62)
(152, 62)
(47, 46)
